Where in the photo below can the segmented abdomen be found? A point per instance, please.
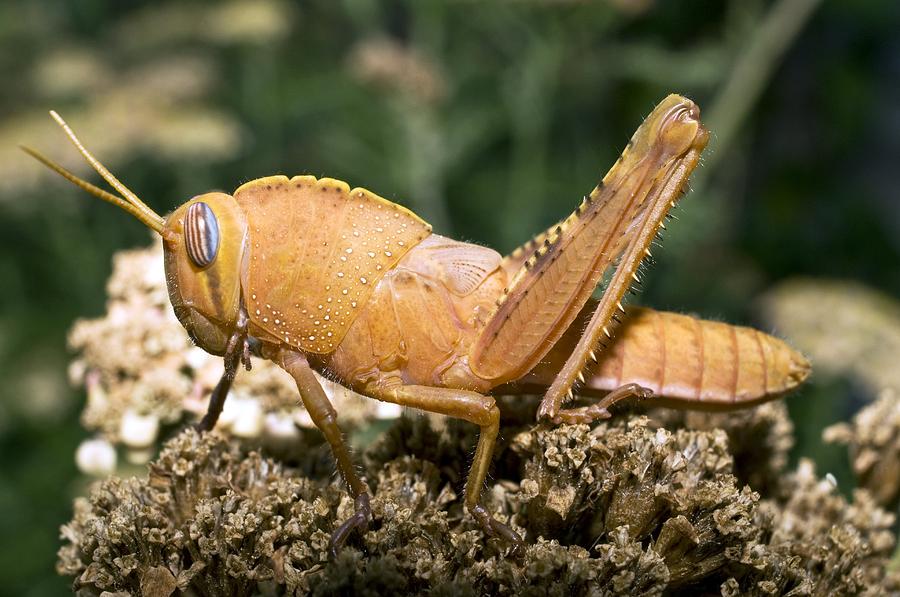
(682, 358)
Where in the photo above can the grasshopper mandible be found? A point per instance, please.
(318, 277)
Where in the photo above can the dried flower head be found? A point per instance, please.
(874, 441)
(759, 439)
(388, 64)
(844, 326)
(815, 543)
(650, 511)
(208, 518)
(673, 492)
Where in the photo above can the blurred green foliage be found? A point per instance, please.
(489, 119)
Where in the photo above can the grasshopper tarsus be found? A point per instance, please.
(494, 528)
(358, 521)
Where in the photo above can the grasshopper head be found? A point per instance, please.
(204, 243)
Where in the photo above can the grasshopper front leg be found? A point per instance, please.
(617, 221)
(236, 352)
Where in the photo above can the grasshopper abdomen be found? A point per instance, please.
(686, 362)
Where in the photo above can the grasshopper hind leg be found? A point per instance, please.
(600, 410)
(612, 228)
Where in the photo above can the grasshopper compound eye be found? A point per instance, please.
(201, 234)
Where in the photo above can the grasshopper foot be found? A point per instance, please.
(359, 520)
(494, 528)
(600, 410)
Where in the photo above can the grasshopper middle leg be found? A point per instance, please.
(324, 416)
(475, 408)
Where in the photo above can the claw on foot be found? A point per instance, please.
(359, 520)
(494, 528)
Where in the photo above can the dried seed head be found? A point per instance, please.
(874, 441)
(623, 508)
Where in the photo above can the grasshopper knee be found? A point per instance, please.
(487, 413)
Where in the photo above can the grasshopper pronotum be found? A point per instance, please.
(315, 276)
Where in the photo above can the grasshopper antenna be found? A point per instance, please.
(131, 203)
(93, 190)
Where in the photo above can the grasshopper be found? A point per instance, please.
(316, 276)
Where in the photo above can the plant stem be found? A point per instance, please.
(752, 71)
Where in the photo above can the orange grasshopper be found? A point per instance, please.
(316, 276)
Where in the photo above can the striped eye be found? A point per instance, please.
(201, 234)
